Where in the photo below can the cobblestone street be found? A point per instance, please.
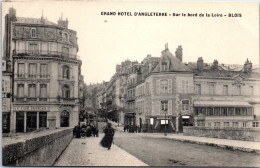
(88, 152)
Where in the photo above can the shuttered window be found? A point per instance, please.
(32, 90)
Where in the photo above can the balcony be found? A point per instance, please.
(56, 54)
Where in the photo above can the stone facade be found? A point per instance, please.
(167, 94)
(47, 80)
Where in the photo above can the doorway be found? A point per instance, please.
(31, 121)
(64, 118)
(19, 121)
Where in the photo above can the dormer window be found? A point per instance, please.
(164, 66)
(66, 37)
(33, 32)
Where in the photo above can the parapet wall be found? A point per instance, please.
(36, 150)
(245, 134)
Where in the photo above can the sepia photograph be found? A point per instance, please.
(130, 83)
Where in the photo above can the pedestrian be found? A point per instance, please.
(77, 131)
(107, 140)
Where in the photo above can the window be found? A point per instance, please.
(249, 111)
(224, 111)
(185, 104)
(226, 124)
(238, 111)
(43, 92)
(230, 111)
(198, 89)
(184, 86)
(164, 66)
(33, 32)
(42, 119)
(201, 123)
(244, 124)
(43, 70)
(164, 105)
(65, 37)
(32, 91)
(33, 47)
(164, 86)
(66, 72)
(235, 124)
(210, 111)
(20, 90)
(238, 90)
(225, 89)
(251, 90)
(32, 70)
(5, 86)
(65, 92)
(65, 50)
(216, 124)
(255, 124)
(209, 124)
(20, 70)
(211, 89)
(216, 111)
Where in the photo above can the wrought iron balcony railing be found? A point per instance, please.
(45, 53)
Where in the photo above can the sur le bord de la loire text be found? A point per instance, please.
(171, 14)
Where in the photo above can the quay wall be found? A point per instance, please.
(246, 134)
(39, 149)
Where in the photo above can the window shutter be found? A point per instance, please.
(157, 86)
(169, 107)
(169, 86)
(158, 108)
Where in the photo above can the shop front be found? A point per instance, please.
(29, 118)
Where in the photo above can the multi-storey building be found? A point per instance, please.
(47, 80)
(225, 98)
(134, 76)
(166, 94)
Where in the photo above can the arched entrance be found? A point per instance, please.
(64, 118)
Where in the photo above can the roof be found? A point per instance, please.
(175, 63)
(34, 21)
(221, 104)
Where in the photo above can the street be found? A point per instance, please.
(165, 152)
(136, 149)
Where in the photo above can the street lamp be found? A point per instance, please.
(165, 109)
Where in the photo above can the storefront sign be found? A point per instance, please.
(30, 108)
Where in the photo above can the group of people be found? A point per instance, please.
(85, 131)
(132, 128)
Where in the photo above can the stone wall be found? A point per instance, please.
(39, 149)
(246, 134)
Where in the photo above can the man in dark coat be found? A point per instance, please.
(77, 131)
(107, 140)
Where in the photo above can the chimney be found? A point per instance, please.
(215, 64)
(63, 23)
(118, 67)
(166, 46)
(12, 14)
(200, 64)
(247, 66)
(178, 53)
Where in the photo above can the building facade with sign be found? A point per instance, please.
(226, 97)
(47, 81)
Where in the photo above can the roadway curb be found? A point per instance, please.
(229, 147)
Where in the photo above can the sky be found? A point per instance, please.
(107, 40)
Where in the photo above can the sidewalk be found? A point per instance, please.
(88, 152)
(246, 146)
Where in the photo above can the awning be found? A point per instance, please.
(221, 104)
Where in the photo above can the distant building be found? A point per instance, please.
(47, 82)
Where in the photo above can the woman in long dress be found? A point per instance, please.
(107, 140)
